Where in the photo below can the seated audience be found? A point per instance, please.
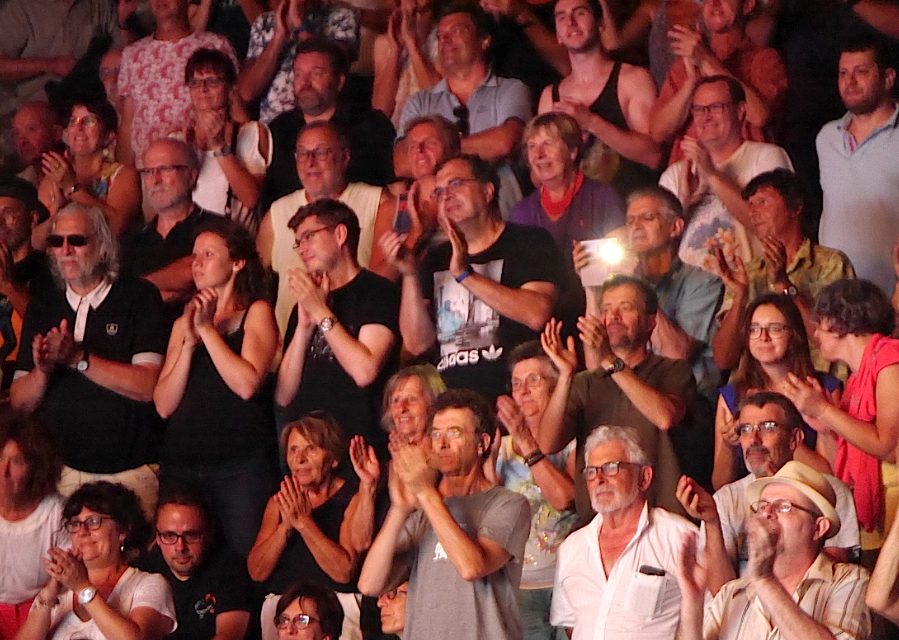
(489, 288)
(319, 75)
(96, 343)
(210, 388)
(302, 532)
(35, 131)
(856, 153)
(30, 515)
(790, 263)
(405, 57)
(232, 155)
(490, 111)
(461, 537)
(393, 609)
(85, 172)
(93, 591)
(568, 204)
(718, 47)
(341, 337)
(209, 581)
(276, 39)
(155, 99)
(855, 320)
(718, 162)
(625, 383)
(308, 606)
(769, 430)
(323, 154)
(616, 575)
(517, 463)
(609, 99)
(774, 345)
(792, 516)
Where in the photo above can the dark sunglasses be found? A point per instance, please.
(460, 113)
(75, 240)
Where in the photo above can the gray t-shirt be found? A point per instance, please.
(441, 603)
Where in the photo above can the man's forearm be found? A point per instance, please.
(553, 434)
(175, 278)
(16, 69)
(416, 326)
(719, 566)
(661, 410)
(525, 306)
(133, 381)
(378, 565)
(726, 344)
(27, 391)
(494, 144)
(785, 614)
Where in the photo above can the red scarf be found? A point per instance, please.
(555, 209)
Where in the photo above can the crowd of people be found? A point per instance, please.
(504, 319)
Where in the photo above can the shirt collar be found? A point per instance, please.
(891, 122)
(642, 524)
(95, 298)
(490, 80)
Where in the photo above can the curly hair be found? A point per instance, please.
(38, 448)
(116, 501)
(855, 306)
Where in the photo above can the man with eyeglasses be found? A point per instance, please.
(790, 263)
(489, 111)
(95, 345)
(616, 576)
(461, 537)
(161, 251)
(210, 585)
(718, 160)
(393, 609)
(770, 428)
(486, 290)
(791, 590)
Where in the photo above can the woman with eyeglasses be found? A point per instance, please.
(210, 388)
(86, 171)
(30, 515)
(775, 344)
(308, 611)
(232, 156)
(93, 592)
(304, 530)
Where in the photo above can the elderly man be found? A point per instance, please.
(625, 383)
(717, 164)
(770, 429)
(319, 74)
(35, 130)
(792, 589)
(464, 536)
(488, 289)
(859, 175)
(616, 576)
(490, 111)
(161, 251)
(96, 350)
(210, 584)
(791, 263)
(323, 155)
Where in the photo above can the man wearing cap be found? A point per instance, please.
(792, 590)
(770, 428)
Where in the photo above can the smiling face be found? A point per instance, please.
(409, 408)
(576, 27)
(550, 159)
(208, 90)
(184, 558)
(102, 546)
(310, 464)
(15, 472)
(770, 215)
(425, 149)
(458, 44)
(722, 129)
(532, 384)
(321, 163)
(84, 133)
(768, 348)
(212, 265)
(863, 85)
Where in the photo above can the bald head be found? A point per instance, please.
(169, 174)
(35, 130)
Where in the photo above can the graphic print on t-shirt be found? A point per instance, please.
(467, 329)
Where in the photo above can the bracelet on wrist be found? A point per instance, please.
(465, 273)
(45, 602)
(534, 457)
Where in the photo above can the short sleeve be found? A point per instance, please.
(413, 108)
(248, 148)
(537, 259)
(237, 594)
(513, 100)
(696, 312)
(154, 592)
(506, 521)
(770, 157)
(150, 332)
(381, 308)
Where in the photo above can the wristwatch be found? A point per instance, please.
(82, 365)
(86, 595)
(616, 366)
(790, 291)
(327, 324)
(224, 151)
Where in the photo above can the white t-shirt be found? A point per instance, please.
(134, 589)
(23, 549)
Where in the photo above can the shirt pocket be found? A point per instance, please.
(644, 595)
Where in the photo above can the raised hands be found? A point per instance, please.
(293, 504)
(55, 348)
(365, 462)
(593, 335)
(410, 465)
(691, 576)
(697, 502)
(67, 569)
(204, 305)
(762, 534)
(563, 355)
(459, 258)
(808, 396)
(311, 291)
(58, 168)
(775, 261)
(734, 278)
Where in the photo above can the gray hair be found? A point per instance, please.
(431, 383)
(108, 251)
(626, 435)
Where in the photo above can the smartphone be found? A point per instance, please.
(402, 221)
(608, 257)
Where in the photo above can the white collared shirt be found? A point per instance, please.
(81, 303)
(627, 603)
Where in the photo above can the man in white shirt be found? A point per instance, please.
(615, 578)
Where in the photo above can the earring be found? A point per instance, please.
(122, 547)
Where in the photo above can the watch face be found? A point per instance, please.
(82, 365)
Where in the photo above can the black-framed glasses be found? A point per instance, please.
(773, 329)
(451, 187)
(56, 240)
(607, 469)
(300, 621)
(460, 113)
(211, 82)
(92, 523)
(393, 594)
(170, 537)
(166, 170)
(531, 381)
(304, 237)
(716, 108)
(319, 154)
(779, 506)
(765, 427)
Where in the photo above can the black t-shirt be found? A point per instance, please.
(371, 136)
(473, 338)
(98, 430)
(221, 585)
(367, 299)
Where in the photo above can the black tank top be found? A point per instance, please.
(213, 425)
